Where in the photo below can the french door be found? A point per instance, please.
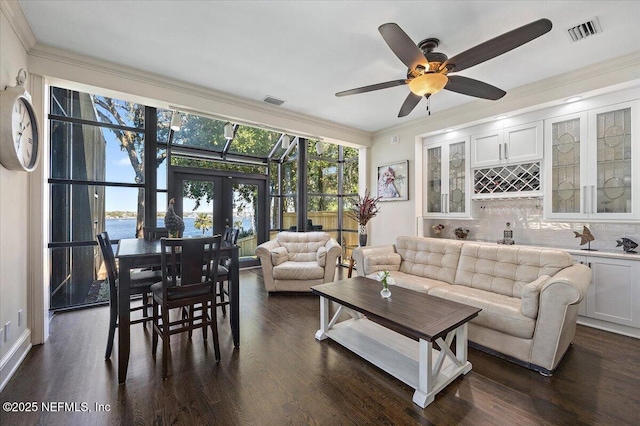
(210, 201)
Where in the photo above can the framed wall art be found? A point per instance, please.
(393, 181)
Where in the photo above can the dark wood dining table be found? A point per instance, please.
(135, 253)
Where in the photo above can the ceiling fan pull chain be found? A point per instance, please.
(428, 105)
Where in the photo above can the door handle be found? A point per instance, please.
(446, 203)
(584, 199)
(593, 198)
(500, 151)
(442, 210)
(506, 156)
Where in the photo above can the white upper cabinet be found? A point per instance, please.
(511, 145)
(447, 179)
(593, 163)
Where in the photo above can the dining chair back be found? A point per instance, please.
(153, 234)
(141, 283)
(188, 282)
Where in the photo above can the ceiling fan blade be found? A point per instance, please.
(373, 87)
(409, 104)
(402, 45)
(498, 45)
(471, 87)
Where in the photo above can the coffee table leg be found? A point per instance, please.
(461, 347)
(422, 396)
(324, 319)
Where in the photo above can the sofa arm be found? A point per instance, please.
(333, 251)
(263, 251)
(361, 253)
(557, 314)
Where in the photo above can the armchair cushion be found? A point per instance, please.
(279, 255)
(531, 296)
(298, 271)
(321, 256)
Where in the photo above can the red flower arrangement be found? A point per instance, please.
(365, 209)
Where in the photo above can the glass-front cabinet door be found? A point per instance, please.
(447, 171)
(567, 168)
(592, 163)
(611, 189)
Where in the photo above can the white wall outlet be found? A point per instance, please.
(20, 318)
(6, 331)
(394, 140)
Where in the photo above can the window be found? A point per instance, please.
(100, 179)
(97, 183)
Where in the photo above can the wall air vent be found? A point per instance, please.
(273, 101)
(584, 30)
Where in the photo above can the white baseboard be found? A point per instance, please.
(625, 330)
(12, 360)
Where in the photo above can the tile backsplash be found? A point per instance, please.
(530, 228)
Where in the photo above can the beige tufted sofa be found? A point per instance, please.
(529, 296)
(295, 261)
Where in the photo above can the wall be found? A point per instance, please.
(530, 228)
(14, 229)
(399, 217)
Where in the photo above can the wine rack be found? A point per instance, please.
(515, 180)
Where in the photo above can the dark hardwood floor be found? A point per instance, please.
(282, 375)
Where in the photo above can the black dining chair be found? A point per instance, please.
(141, 283)
(188, 283)
(224, 269)
(153, 234)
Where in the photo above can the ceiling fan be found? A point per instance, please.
(428, 71)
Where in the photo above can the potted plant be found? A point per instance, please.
(362, 211)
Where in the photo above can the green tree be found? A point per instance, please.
(129, 114)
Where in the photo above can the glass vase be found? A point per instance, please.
(385, 292)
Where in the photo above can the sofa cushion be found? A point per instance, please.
(298, 271)
(531, 297)
(279, 255)
(382, 262)
(499, 312)
(506, 270)
(429, 257)
(412, 282)
(302, 246)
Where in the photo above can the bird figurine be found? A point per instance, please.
(627, 245)
(173, 222)
(585, 237)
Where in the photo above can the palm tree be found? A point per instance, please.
(204, 222)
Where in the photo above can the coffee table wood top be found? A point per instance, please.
(410, 313)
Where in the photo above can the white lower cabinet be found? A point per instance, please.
(614, 293)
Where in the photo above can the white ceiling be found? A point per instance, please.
(305, 51)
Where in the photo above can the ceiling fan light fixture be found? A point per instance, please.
(176, 121)
(228, 131)
(428, 83)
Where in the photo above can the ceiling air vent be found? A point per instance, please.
(584, 30)
(273, 101)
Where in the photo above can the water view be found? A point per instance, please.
(126, 228)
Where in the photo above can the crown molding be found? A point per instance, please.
(613, 74)
(18, 21)
(329, 131)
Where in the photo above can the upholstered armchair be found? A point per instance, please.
(295, 261)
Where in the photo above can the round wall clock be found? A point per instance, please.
(19, 131)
